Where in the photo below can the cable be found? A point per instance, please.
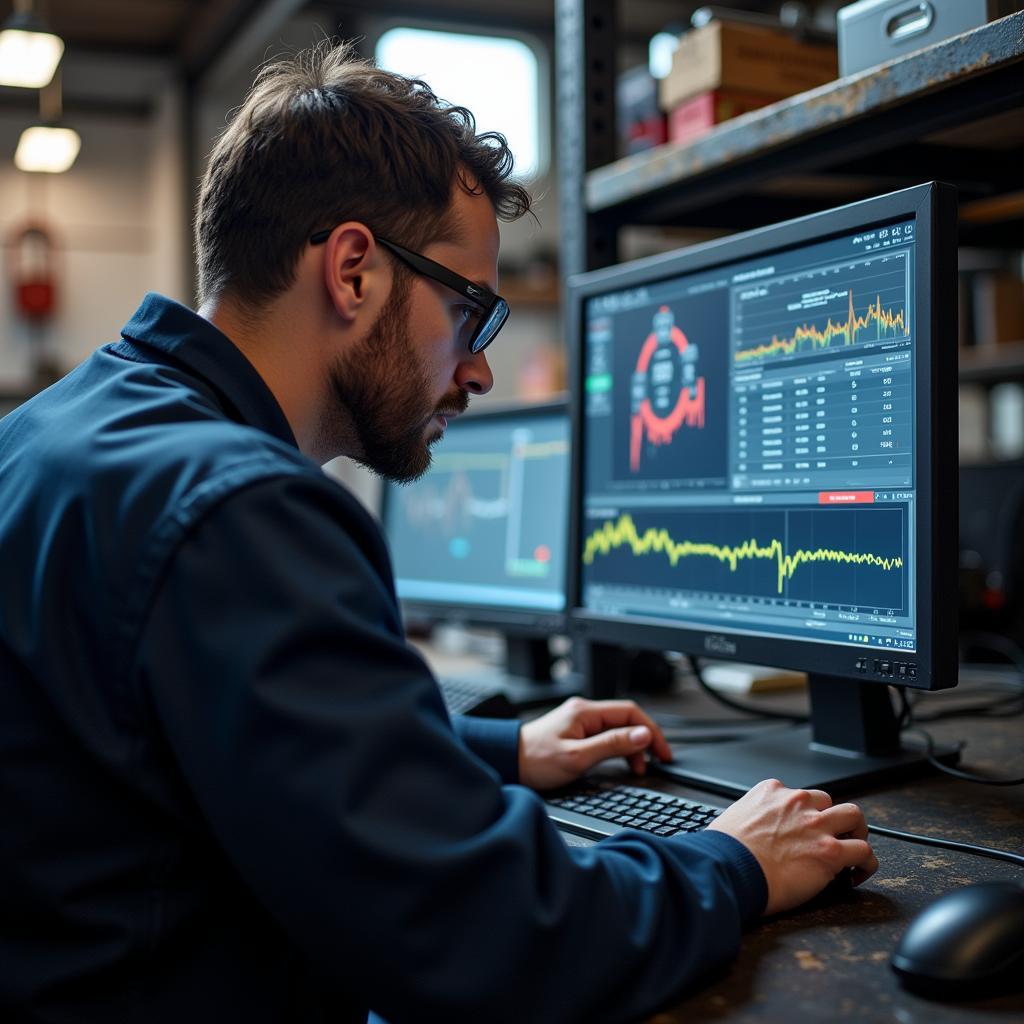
(906, 724)
(956, 772)
(906, 715)
(948, 844)
(1003, 645)
(1007, 696)
(1010, 701)
(1007, 707)
(747, 709)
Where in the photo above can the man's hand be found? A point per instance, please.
(800, 839)
(563, 744)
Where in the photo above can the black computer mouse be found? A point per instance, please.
(968, 944)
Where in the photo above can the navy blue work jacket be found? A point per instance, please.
(229, 790)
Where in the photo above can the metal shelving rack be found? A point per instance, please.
(953, 111)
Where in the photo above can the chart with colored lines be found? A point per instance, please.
(830, 309)
(849, 558)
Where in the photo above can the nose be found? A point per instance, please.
(473, 374)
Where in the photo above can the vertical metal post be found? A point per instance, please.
(585, 121)
(585, 126)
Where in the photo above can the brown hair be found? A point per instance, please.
(324, 137)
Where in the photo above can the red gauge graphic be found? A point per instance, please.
(666, 368)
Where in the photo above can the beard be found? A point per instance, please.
(380, 391)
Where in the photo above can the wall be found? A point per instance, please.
(118, 216)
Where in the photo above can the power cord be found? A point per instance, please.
(948, 844)
(1003, 645)
(906, 719)
(1007, 695)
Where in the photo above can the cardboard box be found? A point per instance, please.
(699, 114)
(744, 58)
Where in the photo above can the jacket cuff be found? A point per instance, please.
(494, 740)
(749, 883)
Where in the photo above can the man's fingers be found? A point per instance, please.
(820, 800)
(857, 854)
(603, 714)
(845, 820)
(630, 739)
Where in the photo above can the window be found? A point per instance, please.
(496, 77)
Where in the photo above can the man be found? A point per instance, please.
(229, 790)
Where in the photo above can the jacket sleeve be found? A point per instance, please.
(495, 740)
(320, 754)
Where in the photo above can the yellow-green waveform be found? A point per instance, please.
(887, 324)
(657, 540)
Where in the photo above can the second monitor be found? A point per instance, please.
(481, 538)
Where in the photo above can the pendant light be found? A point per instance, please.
(29, 52)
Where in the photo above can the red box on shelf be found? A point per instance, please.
(697, 116)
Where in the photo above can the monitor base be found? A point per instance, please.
(791, 756)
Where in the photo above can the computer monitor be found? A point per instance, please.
(481, 537)
(765, 470)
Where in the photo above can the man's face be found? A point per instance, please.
(386, 389)
(413, 370)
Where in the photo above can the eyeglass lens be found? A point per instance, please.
(489, 327)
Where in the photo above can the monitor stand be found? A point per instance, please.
(852, 742)
(525, 678)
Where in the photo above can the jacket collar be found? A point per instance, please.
(175, 331)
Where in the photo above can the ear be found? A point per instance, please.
(353, 269)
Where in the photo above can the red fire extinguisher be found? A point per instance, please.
(31, 259)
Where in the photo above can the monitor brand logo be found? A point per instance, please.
(717, 644)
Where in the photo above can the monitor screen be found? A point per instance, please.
(759, 441)
(485, 527)
(749, 457)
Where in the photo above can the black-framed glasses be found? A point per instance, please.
(494, 309)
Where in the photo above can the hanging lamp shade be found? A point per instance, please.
(42, 148)
(29, 53)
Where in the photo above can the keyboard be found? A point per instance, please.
(596, 808)
(502, 695)
(464, 696)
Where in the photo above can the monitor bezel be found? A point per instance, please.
(934, 209)
(513, 621)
